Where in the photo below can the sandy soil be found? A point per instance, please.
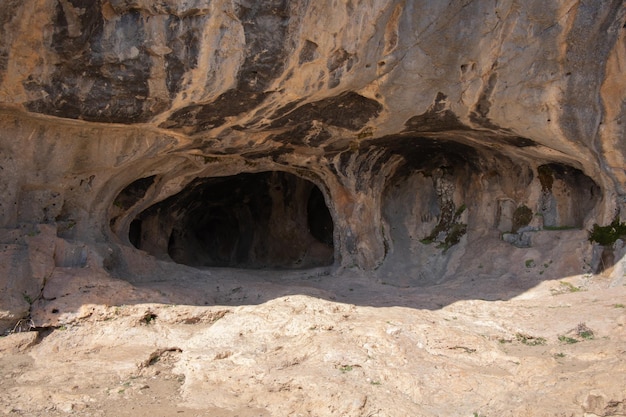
(311, 343)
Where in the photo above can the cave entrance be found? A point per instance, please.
(253, 220)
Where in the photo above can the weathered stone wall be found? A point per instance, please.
(428, 127)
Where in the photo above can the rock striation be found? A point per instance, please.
(419, 140)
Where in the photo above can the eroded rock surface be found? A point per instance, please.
(481, 95)
(423, 127)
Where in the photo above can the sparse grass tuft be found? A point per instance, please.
(530, 340)
(346, 368)
(565, 288)
(27, 298)
(148, 318)
(567, 340)
(583, 331)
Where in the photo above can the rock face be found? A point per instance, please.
(419, 140)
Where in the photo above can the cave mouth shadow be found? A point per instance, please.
(213, 286)
(153, 284)
(260, 220)
(246, 287)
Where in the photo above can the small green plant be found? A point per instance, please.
(583, 331)
(149, 318)
(586, 335)
(567, 340)
(619, 306)
(346, 368)
(530, 340)
(565, 287)
(559, 355)
(450, 226)
(454, 236)
(570, 287)
(27, 298)
(607, 235)
(375, 382)
(530, 263)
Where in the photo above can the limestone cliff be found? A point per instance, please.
(419, 139)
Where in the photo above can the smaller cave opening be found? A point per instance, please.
(270, 219)
(134, 192)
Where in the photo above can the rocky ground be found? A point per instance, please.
(314, 343)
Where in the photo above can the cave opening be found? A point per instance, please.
(269, 219)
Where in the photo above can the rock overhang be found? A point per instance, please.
(422, 138)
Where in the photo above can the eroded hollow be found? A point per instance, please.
(453, 209)
(259, 220)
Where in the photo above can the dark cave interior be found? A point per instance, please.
(251, 220)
